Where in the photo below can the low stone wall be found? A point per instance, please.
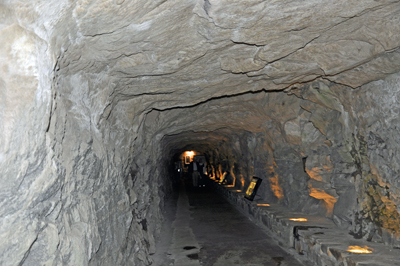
(318, 238)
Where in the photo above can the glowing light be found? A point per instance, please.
(213, 172)
(274, 182)
(329, 201)
(219, 172)
(298, 219)
(233, 176)
(357, 249)
(188, 156)
(189, 153)
(251, 188)
(263, 204)
(222, 179)
(238, 190)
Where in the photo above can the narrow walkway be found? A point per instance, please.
(209, 231)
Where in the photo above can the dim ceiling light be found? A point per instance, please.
(299, 219)
(263, 204)
(357, 249)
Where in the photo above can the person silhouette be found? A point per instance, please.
(194, 170)
(201, 170)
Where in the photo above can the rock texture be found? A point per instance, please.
(97, 96)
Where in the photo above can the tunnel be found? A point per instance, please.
(100, 98)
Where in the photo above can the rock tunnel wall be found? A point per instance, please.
(95, 99)
(311, 145)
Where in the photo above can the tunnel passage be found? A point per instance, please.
(208, 230)
(97, 96)
(299, 143)
(268, 135)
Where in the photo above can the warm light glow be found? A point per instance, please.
(219, 172)
(222, 178)
(251, 188)
(189, 153)
(233, 176)
(263, 204)
(357, 249)
(188, 156)
(274, 182)
(329, 201)
(238, 190)
(212, 173)
(315, 173)
(299, 219)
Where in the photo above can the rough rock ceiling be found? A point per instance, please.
(211, 48)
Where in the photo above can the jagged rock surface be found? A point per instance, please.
(96, 96)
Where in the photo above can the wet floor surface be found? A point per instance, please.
(209, 231)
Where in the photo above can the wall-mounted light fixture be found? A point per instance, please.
(188, 156)
(298, 219)
(252, 189)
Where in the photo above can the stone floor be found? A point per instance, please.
(208, 230)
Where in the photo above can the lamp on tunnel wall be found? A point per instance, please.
(223, 178)
(188, 156)
(187, 159)
(253, 187)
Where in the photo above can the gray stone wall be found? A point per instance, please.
(317, 148)
(94, 96)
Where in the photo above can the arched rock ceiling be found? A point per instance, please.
(209, 125)
(194, 141)
(189, 51)
(130, 56)
(177, 53)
